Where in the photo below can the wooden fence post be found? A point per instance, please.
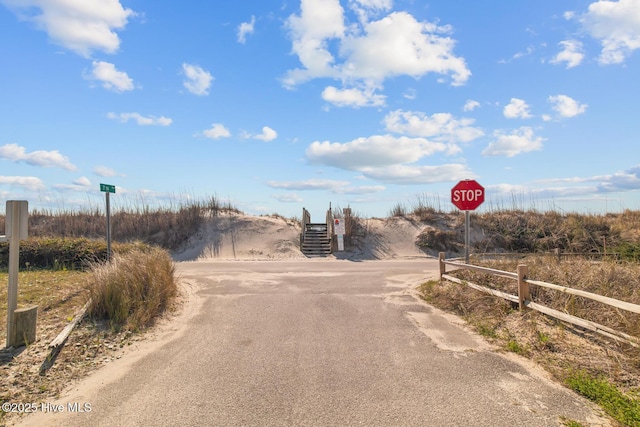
(524, 293)
(443, 267)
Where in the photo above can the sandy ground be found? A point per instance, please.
(244, 237)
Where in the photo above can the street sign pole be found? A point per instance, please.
(108, 189)
(108, 227)
(467, 227)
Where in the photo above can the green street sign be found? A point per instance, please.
(108, 188)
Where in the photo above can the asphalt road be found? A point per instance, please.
(319, 343)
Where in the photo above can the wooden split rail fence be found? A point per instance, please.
(523, 299)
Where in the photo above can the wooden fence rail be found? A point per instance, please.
(524, 297)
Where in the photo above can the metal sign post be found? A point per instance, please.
(16, 215)
(108, 189)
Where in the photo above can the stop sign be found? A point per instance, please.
(467, 195)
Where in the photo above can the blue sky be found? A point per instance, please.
(276, 105)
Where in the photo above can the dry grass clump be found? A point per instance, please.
(133, 289)
(167, 226)
(576, 357)
(531, 231)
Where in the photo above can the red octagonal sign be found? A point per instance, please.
(467, 195)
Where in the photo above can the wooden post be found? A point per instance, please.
(558, 254)
(14, 267)
(443, 266)
(524, 293)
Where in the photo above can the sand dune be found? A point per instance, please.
(246, 237)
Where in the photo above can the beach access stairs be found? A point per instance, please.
(316, 238)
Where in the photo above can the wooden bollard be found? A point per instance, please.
(24, 332)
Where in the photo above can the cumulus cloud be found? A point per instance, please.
(517, 142)
(111, 78)
(352, 97)
(246, 28)
(267, 134)
(30, 183)
(470, 105)
(288, 198)
(365, 9)
(441, 127)
(334, 186)
(217, 131)
(47, 159)
(517, 109)
(309, 184)
(400, 45)
(104, 171)
(197, 80)
(81, 26)
(365, 53)
(140, 119)
(616, 25)
(415, 174)
(374, 151)
(619, 181)
(572, 53)
(319, 21)
(566, 106)
(81, 184)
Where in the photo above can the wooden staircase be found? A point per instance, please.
(315, 240)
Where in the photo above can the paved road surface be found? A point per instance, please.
(318, 343)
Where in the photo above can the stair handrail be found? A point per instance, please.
(330, 223)
(306, 219)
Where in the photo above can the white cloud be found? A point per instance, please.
(217, 131)
(566, 106)
(267, 134)
(82, 181)
(362, 189)
(318, 22)
(616, 24)
(470, 105)
(374, 151)
(197, 81)
(81, 26)
(310, 184)
(620, 181)
(80, 184)
(352, 97)
(441, 127)
(365, 9)
(334, 186)
(572, 53)
(517, 142)
(288, 198)
(408, 174)
(27, 182)
(48, 159)
(246, 28)
(366, 53)
(516, 109)
(400, 45)
(104, 171)
(140, 119)
(111, 78)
